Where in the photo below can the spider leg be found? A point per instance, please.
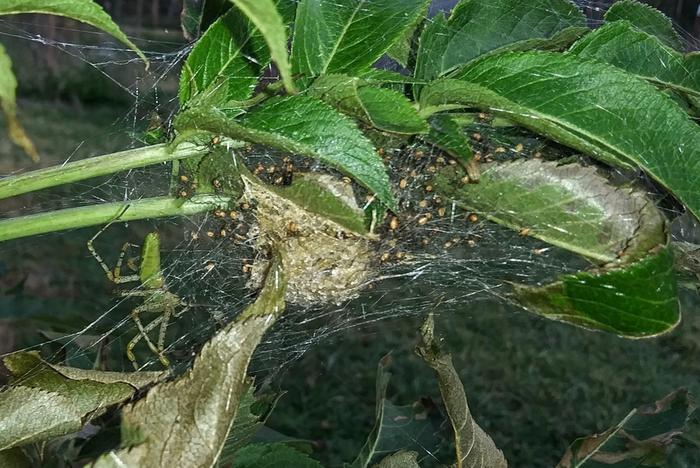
(113, 275)
(175, 309)
(91, 248)
(185, 308)
(117, 273)
(139, 293)
(143, 334)
(165, 320)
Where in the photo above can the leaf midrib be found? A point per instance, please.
(341, 36)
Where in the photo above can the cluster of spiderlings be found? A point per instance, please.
(276, 174)
(185, 187)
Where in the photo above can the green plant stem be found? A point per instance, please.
(94, 167)
(95, 215)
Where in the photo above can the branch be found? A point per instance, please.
(95, 215)
(93, 167)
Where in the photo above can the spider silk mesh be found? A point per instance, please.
(437, 258)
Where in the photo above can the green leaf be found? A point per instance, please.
(382, 108)
(225, 64)
(326, 196)
(402, 459)
(43, 403)
(305, 126)
(272, 456)
(396, 427)
(8, 88)
(639, 300)
(217, 166)
(287, 10)
(85, 11)
(433, 41)
(476, 27)
(403, 47)
(569, 206)
(447, 135)
(185, 422)
(263, 13)
(643, 438)
(646, 18)
(474, 447)
(347, 37)
(641, 54)
(250, 418)
(590, 106)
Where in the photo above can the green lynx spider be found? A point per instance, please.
(157, 298)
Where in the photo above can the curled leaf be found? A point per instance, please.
(137, 380)
(324, 195)
(474, 447)
(633, 290)
(186, 422)
(569, 206)
(383, 108)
